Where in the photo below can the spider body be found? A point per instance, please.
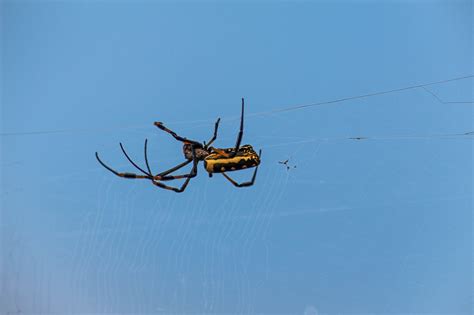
(216, 160)
(200, 152)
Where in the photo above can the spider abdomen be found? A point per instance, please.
(246, 157)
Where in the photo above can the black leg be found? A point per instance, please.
(124, 175)
(178, 190)
(244, 184)
(177, 167)
(129, 175)
(241, 132)
(133, 163)
(216, 126)
(162, 175)
(172, 177)
(171, 132)
(148, 175)
(146, 157)
(188, 177)
(185, 184)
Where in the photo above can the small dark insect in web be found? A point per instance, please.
(285, 162)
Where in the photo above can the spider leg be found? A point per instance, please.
(124, 175)
(188, 177)
(162, 175)
(216, 126)
(172, 177)
(171, 132)
(241, 131)
(146, 157)
(178, 190)
(133, 163)
(177, 167)
(244, 184)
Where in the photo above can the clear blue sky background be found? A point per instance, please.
(376, 226)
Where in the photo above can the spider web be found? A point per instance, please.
(130, 239)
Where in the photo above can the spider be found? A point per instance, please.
(216, 160)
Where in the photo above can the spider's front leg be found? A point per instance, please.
(174, 134)
(120, 174)
(161, 177)
(156, 180)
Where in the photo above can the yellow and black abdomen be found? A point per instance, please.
(246, 157)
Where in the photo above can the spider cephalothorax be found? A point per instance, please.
(199, 150)
(216, 160)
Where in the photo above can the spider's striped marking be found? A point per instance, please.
(218, 161)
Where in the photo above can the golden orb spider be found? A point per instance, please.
(216, 160)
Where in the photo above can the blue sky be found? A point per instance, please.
(381, 226)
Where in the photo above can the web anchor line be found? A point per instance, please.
(469, 135)
(344, 99)
(285, 109)
(443, 102)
